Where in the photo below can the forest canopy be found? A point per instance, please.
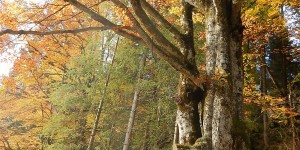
(150, 74)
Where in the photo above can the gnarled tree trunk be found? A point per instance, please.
(187, 119)
(222, 108)
(188, 95)
(223, 126)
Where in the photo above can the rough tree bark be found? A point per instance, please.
(223, 126)
(188, 94)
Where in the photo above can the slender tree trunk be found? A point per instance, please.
(18, 146)
(5, 141)
(176, 136)
(263, 94)
(266, 127)
(294, 131)
(134, 103)
(99, 108)
(294, 97)
(4, 145)
(131, 120)
(110, 136)
(146, 136)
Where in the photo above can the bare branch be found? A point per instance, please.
(54, 13)
(20, 32)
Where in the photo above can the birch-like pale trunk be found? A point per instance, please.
(99, 108)
(134, 102)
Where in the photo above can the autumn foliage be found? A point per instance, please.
(61, 63)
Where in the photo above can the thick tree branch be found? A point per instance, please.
(123, 32)
(187, 19)
(136, 24)
(179, 63)
(154, 33)
(19, 32)
(127, 12)
(188, 26)
(153, 38)
(175, 58)
(161, 20)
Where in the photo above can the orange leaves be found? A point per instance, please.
(9, 82)
(201, 36)
(121, 16)
(275, 106)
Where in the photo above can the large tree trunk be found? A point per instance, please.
(222, 109)
(223, 126)
(187, 119)
(188, 95)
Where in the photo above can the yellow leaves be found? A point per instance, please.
(262, 19)
(22, 119)
(176, 10)
(220, 76)
(272, 3)
(160, 3)
(275, 106)
(198, 18)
